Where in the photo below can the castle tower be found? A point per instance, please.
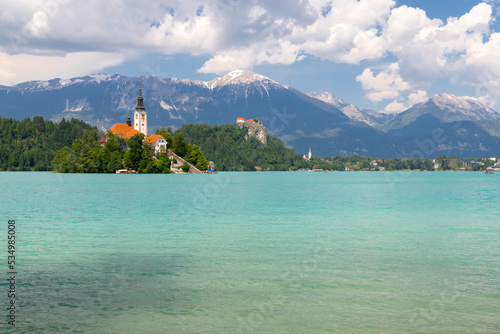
(141, 116)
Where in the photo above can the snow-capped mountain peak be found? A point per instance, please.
(329, 98)
(100, 77)
(55, 84)
(237, 77)
(470, 107)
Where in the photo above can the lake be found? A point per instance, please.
(254, 252)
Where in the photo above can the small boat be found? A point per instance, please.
(126, 171)
(488, 171)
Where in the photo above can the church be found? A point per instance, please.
(127, 131)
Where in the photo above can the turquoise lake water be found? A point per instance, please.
(291, 252)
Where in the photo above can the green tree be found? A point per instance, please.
(158, 166)
(139, 153)
(115, 162)
(64, 161)
(185, 167)
(338, 165)
(476, 167)
(113, 143)
(196, 157)
(179, 145)
(444, 161)
(32, 144)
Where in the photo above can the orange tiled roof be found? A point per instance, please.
(121, 129)
(240, 119)
(124, 130)
(153, 138)
(130, 134)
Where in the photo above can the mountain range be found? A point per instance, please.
(444, 124)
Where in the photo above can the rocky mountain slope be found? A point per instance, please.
(370, 117)
(446, 108)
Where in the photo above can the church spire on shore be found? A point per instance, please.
(309, 156)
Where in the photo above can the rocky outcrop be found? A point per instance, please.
(255, 129)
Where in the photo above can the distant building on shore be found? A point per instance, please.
(308, 156)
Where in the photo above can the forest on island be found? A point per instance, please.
(87, 155)
(72, 146)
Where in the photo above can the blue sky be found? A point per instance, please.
(379, 54)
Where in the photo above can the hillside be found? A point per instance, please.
(229, 147)
(30, 145)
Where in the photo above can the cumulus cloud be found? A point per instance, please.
(347, 32)
(417, 97)
(395, 107)
(386, 84)
(24, 67)
(255, 13)
(427, 48)
(460, 49)
(282, 53)
(401, 105)
(260, 31)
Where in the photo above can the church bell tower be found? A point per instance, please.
(141, 116)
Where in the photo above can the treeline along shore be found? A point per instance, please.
(73, 146)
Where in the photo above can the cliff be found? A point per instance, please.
(255, 129)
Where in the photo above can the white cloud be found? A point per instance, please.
(283, 53)
(23, 67)
(228, 61)
(394, 107)
(400, 104)
(255, 13)
(386, 84)
(429, 49)
(275, 32)
(196, 36)
(418, 97)
(347, 33)
(462, 50)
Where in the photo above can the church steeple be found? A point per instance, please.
(140, 100)
(140, 115)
